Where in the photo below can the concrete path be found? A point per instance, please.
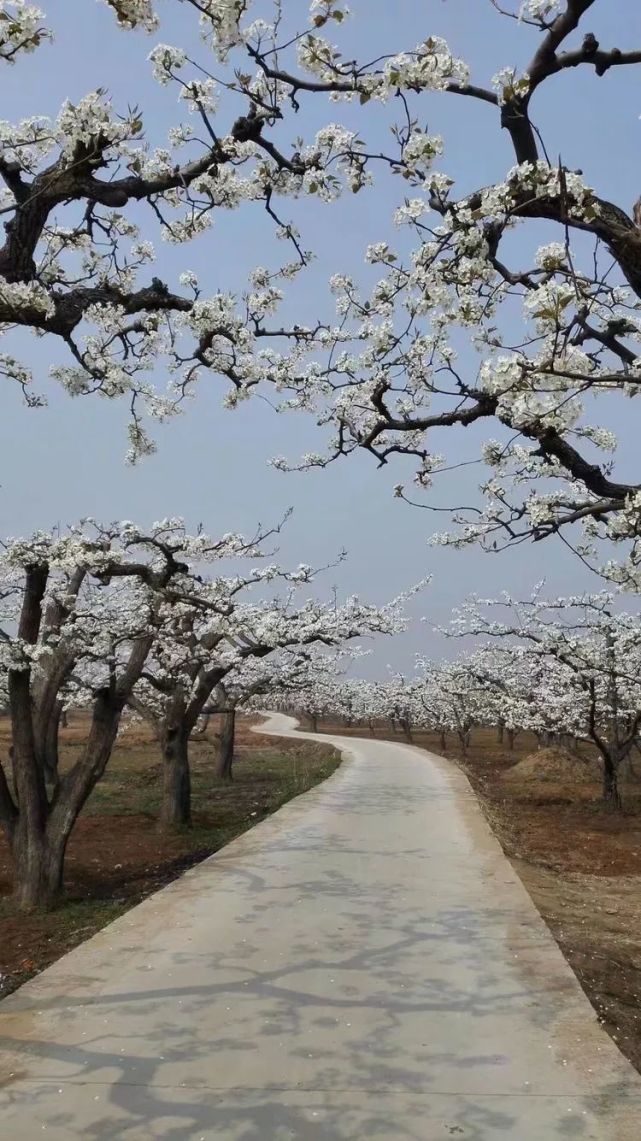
(363, 965)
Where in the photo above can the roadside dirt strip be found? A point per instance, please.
(363, 964)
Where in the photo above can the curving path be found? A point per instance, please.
(365, 964)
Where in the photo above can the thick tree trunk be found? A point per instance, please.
(313, 723)
(464, 736)
(226, 739)
(175, 811)
(31, 794)
(611, 794)
(8, 809)
(48, 715)
(510, 739)
(442, 740)
(407, 732)
(38, 868)
(500, 733)
(39, 827)
(50, 754)
(40, 831)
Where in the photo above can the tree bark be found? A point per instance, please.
(313, 723)
(47, 714)
(611, 794)
(510, 739)
(500, 733)
(443, 740)
(40, 832)
(50, 756)
(30, 790)
(176, 799)
(38, 863)
(226, 740)
(8, 809)
(464, 738)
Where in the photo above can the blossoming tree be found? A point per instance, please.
(202, 645)
(385, 374)
(198, 641)
(75, 265)
(392, 377)
(594, 689)
(80, 614)
(289, 671)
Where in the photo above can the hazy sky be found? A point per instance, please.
(60, 463)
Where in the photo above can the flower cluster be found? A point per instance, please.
(135, 13)
(21, 29)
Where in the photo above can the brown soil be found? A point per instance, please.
(579, 860)
(117, 855)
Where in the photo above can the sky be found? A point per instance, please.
(66, 461)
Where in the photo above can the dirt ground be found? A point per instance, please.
(117, 855)
(580, 862)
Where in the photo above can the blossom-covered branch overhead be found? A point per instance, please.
(460, 327)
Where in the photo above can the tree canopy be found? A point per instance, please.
(542, 329)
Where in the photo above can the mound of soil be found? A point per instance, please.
(556, 765)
